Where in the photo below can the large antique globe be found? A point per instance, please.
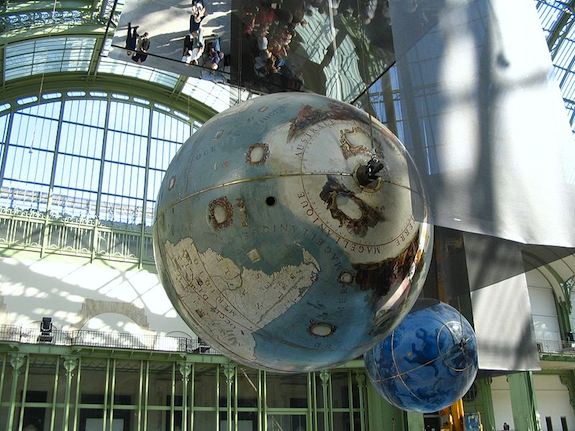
(290, 232)
(428, 362)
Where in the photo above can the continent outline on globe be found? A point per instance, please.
(242, 260)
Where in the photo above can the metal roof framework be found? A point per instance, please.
(557, 21)
(62, 44)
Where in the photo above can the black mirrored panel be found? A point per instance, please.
(330, 47)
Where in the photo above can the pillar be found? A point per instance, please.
(185, 371)
(70, 364)
(229, 373)
(523, 402)
(16, 362)
(382, 416)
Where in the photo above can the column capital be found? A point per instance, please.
(70, 364)
(16, 361)
(185, 368)
(229, 371)
(360, 378)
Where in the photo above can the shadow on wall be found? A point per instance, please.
(37, 288)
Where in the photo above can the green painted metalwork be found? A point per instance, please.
(361, 382)
(113, 392)
(236, 411)
(16, 362)
(523, 401)
(324, 377)
(568, 380)
(2, 376)
(146, 394)
(479, 399)
(145, 198)
(329, 401)
(173, 395)
(310, 401)
(259, 400)
(52, 178)
(192, 397)
(140, 397)
(70, 364)
(77, 371)
(77, 403)
(106, 391)
(568, 286)
(381, 416)
(561, 27)
(350, 399)
(24, 394)
(6, 147)
(64, 82)
(264, 406)
(415, 421)
(185, 371)
(315, 406)
(229, 373)
(217, 417)
(54, 395)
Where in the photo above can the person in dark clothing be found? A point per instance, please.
(142, 48)
(196, 17)
(131, 39)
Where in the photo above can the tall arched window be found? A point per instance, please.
(88, 158)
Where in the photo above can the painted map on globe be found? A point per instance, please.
(272, 250)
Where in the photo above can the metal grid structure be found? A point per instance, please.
(55, 39)
(87, 183)
(87, 389)
(557, 21)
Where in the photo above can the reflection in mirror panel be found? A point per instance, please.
(336, 48)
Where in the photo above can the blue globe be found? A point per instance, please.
(428, 362)
(290, 232)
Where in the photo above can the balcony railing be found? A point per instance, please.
(117, 340)
(558, 347)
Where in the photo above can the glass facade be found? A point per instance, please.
(83, 170)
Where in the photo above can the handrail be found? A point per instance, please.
(117, 340)
(563, 347)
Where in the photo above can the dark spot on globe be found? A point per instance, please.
(270, 200)
(220, 213)
(257, 154)
(321, 329)
(331, 191)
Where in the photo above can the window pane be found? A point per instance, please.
(81, 140)
(287, 390)
(91, 112)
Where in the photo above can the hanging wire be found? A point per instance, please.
(40, 90)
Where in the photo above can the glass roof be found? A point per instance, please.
(30, 45)
(557, 21)
(48, 54)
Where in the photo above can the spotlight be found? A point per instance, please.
(46, 330)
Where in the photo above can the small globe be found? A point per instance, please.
(428, 362)
(286, 232)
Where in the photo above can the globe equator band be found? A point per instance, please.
(244, 258)
(400, 375)
(270, 177)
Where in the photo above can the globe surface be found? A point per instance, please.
(428, 362)
(273, 251)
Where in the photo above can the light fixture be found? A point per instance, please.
(46, 330)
